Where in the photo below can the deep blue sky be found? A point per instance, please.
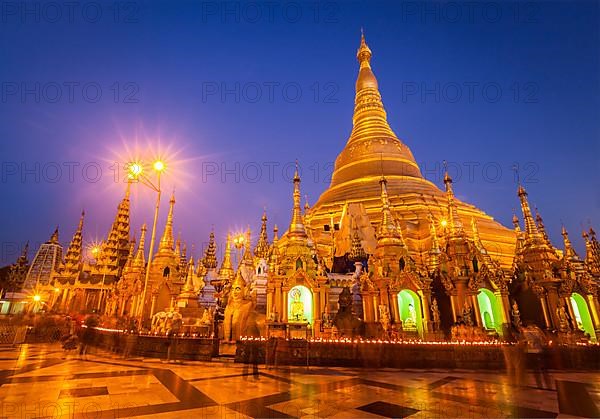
(173, 53)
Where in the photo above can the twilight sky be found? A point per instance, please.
(231, 93)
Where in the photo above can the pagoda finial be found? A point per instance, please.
(140, 258)
(388, 229)
(541, 228)
(54, 237)
(357, 252)
(262, 245)
(178, 244)
(515, 221)
(297, 229)
(435, 251)
(188, 287)
(226, 270)
(364, 53)
(166, 241)
(456, 227)
(247, 256)
(74, 256)
(569, 251)
(531, 229)
(210, 255)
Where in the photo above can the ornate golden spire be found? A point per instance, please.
(531, 230)
(371, 140)
(166, 241)
(140, 258)
(262, 246)
(274, 256)
(456, 227)
(357, 252)
(541, 228)
(476, 238)
(54, 237)
(188, 286)
(73, 258)
(569, 251)
(210, 255)
(226, 270)
(388, 231)
(515, 221)
(435, 251)
(178, 244)
(297, 229)
(247, 257)
(115, 250)
(592, 255)
(131, 254)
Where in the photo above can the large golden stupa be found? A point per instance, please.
(372, 151)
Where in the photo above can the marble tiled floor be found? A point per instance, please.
(43, 381)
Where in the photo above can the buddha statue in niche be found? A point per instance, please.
(296, 306)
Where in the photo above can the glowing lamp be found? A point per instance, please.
(444, 223)
(37, 298)
(159, 166)
(135, 170)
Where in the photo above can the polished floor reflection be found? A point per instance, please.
(44, 381)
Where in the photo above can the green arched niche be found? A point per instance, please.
(300, 300)
(409, 306)
(582, 315)
(489, 309)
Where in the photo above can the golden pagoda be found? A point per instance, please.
(373, 150)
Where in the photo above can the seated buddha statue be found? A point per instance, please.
(410, 322)
(296, 306)
(237, 310)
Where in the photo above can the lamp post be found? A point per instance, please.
(136, 172)
(238, 242)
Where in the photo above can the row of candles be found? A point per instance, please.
(341, 340)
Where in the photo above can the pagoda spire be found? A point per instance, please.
(247, 257)
(515, 221)
(73, 258)
(569, 251)
(54, 237)
(140, 258)
(357, 252)
(592, 255)
(388, 229)
(210, 254)
(274, 255)
(368, 108)
(541, 228)
(178, 244)
(226, 270)
(188, 286)
(531, 230)
(435, 251)
(456, 227)
(297, 229)
(166, 241)
(262, 246)
(115, 250)
(131, 254)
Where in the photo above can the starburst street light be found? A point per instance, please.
(136, 172)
